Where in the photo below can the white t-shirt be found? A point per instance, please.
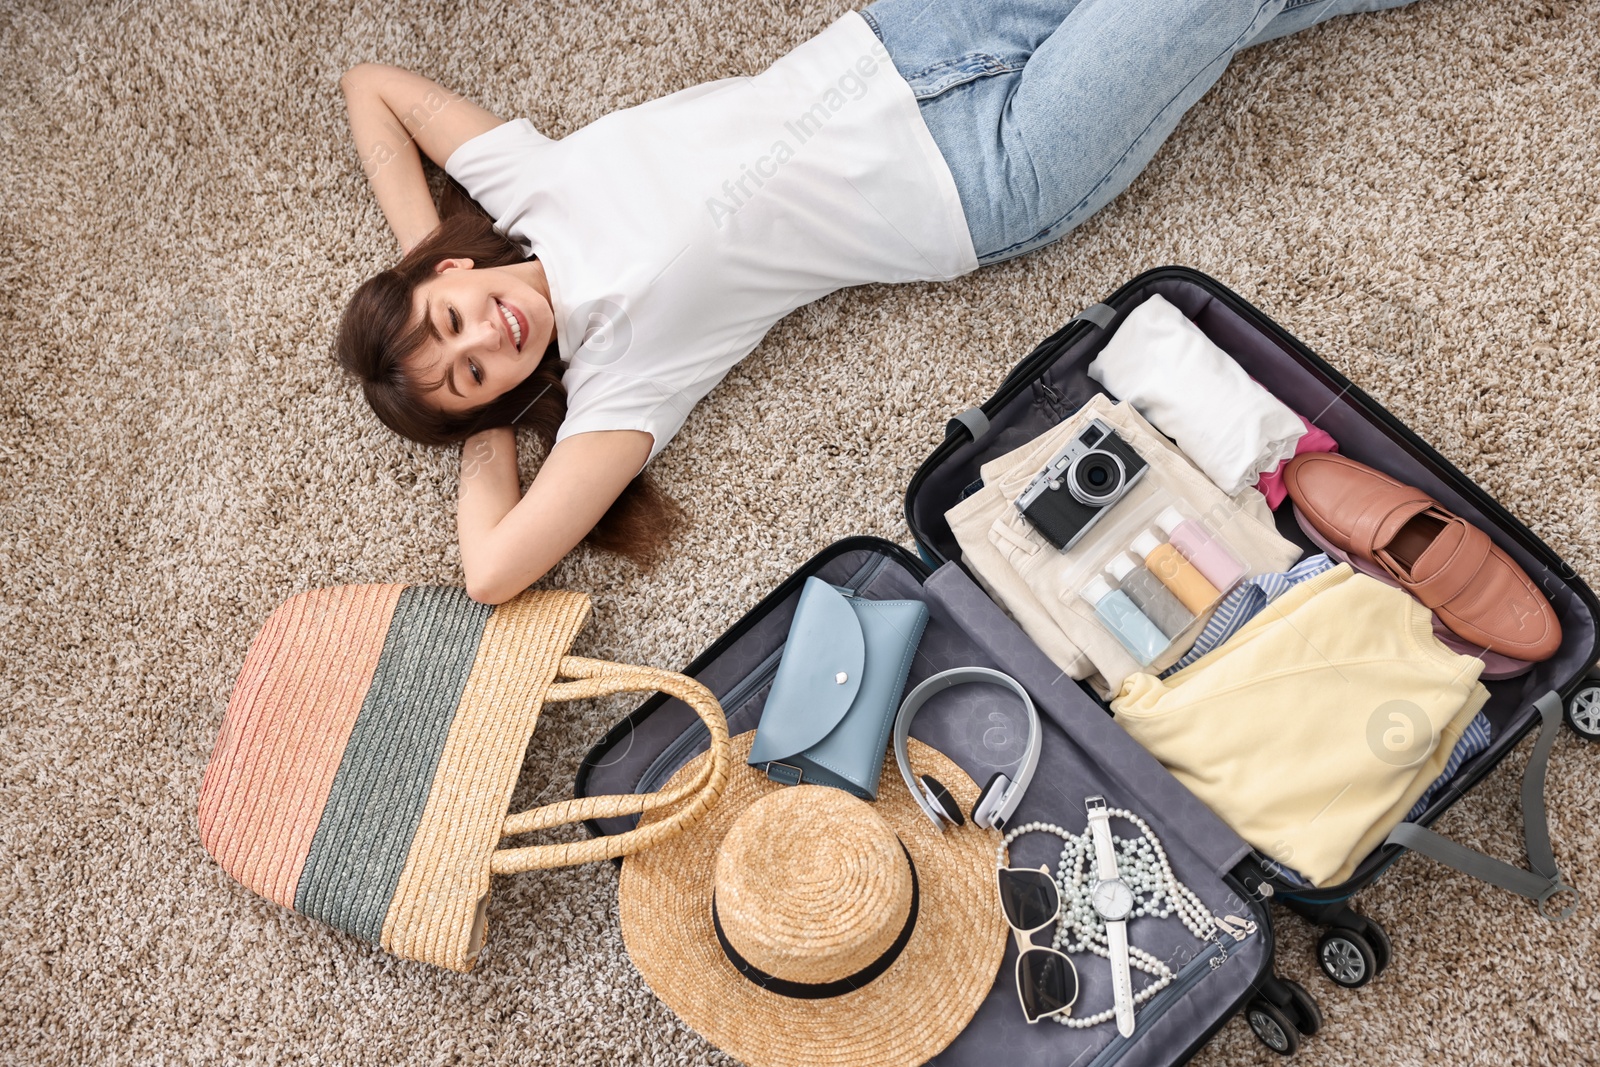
(675, 233)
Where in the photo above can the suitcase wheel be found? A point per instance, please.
(1347, 958)
(1382, 949)
(1583, 712)
(1303, 1009)
(1270, 1023)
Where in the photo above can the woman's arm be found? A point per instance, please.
(507, 544)
(393, 112)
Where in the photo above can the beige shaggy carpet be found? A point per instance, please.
(1413, 193)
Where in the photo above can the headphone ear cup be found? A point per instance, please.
(990, 799)
(941, 799)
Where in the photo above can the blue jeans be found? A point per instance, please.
(1046, 109)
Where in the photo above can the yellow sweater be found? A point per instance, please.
(1313, 729)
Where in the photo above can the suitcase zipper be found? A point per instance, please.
(673, 756)
(1214, 956)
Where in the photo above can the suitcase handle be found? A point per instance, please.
(1541, 879)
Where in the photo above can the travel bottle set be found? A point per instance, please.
(1148, 593)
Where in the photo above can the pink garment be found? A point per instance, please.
(1495, 666)
(1271, 483)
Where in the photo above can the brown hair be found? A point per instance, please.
(374, 343)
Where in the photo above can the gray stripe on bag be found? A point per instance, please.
(384, 780)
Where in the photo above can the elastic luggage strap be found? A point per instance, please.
(1543, 881)
(976, 422)
(1099, 314)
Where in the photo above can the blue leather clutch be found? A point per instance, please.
(833, 699)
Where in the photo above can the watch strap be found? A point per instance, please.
(1121, 979)
(1105, 855)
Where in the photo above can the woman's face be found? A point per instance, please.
(491, 327)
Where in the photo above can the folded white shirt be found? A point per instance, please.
(1198, 395)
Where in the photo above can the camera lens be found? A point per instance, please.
(1096, 478)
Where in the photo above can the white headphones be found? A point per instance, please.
(998, 800)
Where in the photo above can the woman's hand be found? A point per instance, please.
(393, 112)
(507, 544)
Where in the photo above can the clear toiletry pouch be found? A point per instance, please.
(1159, 625)
(1155, 593)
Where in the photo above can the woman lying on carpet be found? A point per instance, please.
(621, 271)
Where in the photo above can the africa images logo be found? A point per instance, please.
(1400, 734)
(603, 330)
(851, 85)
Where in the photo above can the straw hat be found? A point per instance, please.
(802, 925)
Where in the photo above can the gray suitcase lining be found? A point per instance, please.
(983, 729)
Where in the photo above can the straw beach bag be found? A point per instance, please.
(371, 745)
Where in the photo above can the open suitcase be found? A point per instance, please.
(1086, 752)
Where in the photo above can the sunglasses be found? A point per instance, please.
(1047, 982)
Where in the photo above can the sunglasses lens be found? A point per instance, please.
(1046, 981)
(1029, 898)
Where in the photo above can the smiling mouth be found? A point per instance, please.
(513, 325)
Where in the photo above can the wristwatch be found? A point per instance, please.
(1114, 901)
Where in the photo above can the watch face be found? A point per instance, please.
(1112, 899)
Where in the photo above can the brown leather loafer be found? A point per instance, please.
(1477, 590)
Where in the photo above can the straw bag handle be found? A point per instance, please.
(593, 678)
